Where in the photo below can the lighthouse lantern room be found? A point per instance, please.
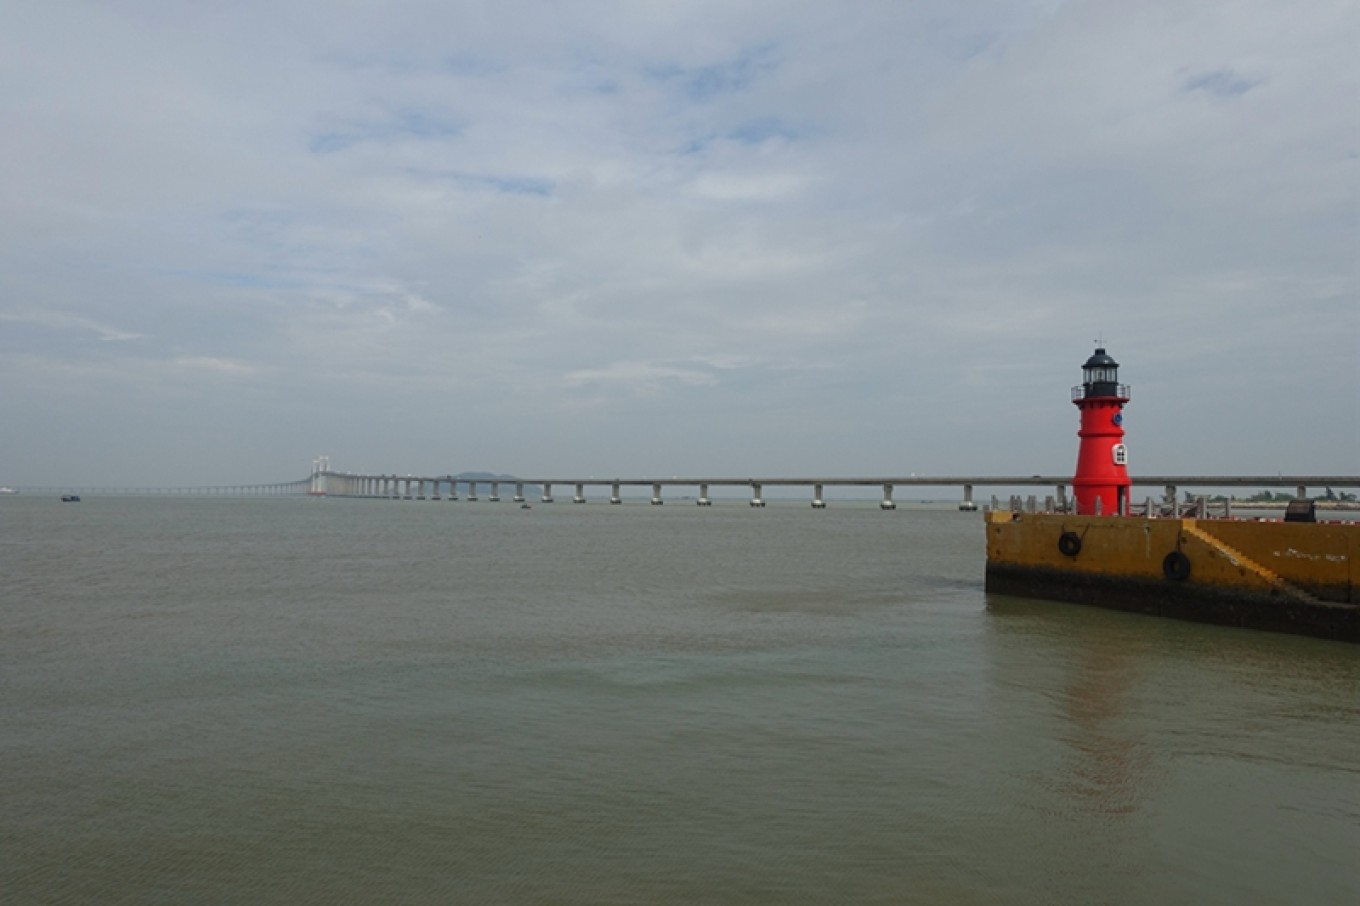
(1101, 485)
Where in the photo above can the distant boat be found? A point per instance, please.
(70, 498)
(8, 491)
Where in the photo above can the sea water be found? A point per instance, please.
(364, 701)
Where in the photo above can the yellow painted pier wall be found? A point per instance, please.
(1320, 558)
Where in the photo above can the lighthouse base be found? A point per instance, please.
(1340, 622)
(1276, 576)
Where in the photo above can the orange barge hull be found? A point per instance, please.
(1279, 576)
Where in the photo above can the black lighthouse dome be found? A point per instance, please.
(1100, 376)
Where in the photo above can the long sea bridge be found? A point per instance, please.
(325, 482)
(411, 487)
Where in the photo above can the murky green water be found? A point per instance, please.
(331, 701)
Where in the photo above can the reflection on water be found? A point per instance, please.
(283, 701)
(1110, 764)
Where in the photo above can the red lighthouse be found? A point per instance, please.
(1102, 484)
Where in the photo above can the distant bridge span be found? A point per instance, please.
(326, 482)
(390, 486)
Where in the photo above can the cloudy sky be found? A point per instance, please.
(662, 237)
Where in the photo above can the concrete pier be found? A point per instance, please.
(887, 503)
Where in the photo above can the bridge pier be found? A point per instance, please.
(817, 502)
(547, 493)
(614, 498)
(887, 503)
(703, 496)
(968, 505)
(756, 500)
(495, 492)
(472, 490)
(580, 496)
(656, 495)
(519, 492)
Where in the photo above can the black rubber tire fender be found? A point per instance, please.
(1069, 544)
(1176, 566)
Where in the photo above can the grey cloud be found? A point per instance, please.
(837, 239)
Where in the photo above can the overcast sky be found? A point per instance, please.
(661, 237)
